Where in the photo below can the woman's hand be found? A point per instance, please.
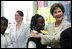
(34, 35)
(31, 35)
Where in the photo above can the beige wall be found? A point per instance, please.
(2, 8)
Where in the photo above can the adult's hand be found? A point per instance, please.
(34, 35)
(31, 35)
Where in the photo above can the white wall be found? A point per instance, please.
(2, 8)
(10, 7)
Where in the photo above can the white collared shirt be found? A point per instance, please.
(4, 43)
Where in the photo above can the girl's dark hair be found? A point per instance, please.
(20, 13)
(4, 19)
(34, 22)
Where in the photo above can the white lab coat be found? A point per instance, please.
(4, 43)
(53, 37)
(19, 39)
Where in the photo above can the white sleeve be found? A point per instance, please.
(4, 43)
(47, 39)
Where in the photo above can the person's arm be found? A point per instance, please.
(47, 39)
(34, 35)
(65, 40)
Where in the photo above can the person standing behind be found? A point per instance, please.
(4, 25)
(65, 40)
(18, 35)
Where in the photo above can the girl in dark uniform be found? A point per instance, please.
(37, 24)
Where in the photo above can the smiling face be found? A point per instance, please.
(58, 14)
(41, 23)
